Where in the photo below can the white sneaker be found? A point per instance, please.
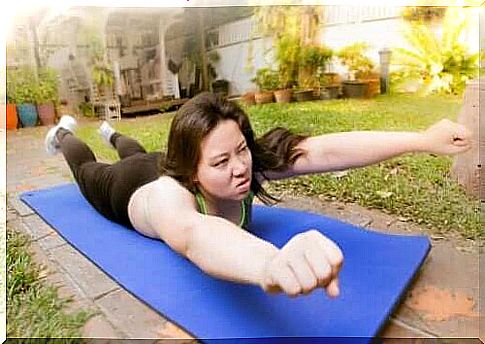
(106, 131)
(51, 142)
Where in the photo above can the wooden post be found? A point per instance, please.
(467, 166)
(202, 51)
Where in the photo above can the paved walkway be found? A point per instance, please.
(443, 301)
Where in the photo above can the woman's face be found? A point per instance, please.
(225, 166)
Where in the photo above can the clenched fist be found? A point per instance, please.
(308, 261)
(447, 137)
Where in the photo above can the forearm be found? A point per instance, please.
(356, 149)
(226, 251)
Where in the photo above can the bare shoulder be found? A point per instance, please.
(168, 189)
(172, 211)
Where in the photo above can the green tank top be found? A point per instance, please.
(246, 206)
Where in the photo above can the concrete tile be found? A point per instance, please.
(135, 318)
(67, 289)
(92, 281)
(52, 241)
(37, 228)
(42, 259)
(11, 214)
(397, 329)
(21, 208)
(171, 330)
(444, 298)
(99, 327)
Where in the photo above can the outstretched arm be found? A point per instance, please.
(221, 249)
(341, 151)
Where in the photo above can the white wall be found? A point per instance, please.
(235, 67)
(379, 26)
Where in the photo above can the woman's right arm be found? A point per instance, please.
(223, 250)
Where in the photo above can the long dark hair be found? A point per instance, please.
(274, 151)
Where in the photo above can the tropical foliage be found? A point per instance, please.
(423, 13)
(266, 79)
(353, 57)
(25, 85)
(439, 64)
(293, 30)
(90, 36)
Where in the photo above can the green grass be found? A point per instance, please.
(416, 187)
(34, 309)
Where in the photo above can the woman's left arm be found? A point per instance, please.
(341, 151)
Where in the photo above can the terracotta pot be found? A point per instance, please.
(12, 120)
(373, 88)
(283, 96)
(263, 97)
(47, 113)
(248, 98)
(27, 114)
(303, 96)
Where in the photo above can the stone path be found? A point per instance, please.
(442, 302)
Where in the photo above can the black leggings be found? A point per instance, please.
(108, 187)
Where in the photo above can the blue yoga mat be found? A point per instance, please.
(377, 270)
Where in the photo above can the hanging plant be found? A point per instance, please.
(102, 75)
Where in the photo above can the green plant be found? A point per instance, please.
(34, 308)
(86, 109)
(164, 107)
(313, 59)
(22, 85)
(438, 64)
(48, 87)
(287, 56)
(423, 13)
(315, 56)
(291, 28)
(266, 79)
(26, 86)
(90, 35)
(102, 74)
(353, 57)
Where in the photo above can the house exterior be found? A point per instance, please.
(380, 27)
(147, 48)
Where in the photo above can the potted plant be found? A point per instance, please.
(287, 56)
(47, 96)
(249, 98)
(358, 65)
(267, 80)
(313, 59)
(330, 85)
(11, 120)
(22, 89)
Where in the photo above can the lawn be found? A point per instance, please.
(417, 188)
(34, 308)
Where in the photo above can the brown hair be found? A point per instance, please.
(275, 151)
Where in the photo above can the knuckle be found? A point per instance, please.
(325, 277)
(309, 286)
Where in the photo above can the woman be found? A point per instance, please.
(198, 195)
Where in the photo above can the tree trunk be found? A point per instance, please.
(35, 44)
(203, 54)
